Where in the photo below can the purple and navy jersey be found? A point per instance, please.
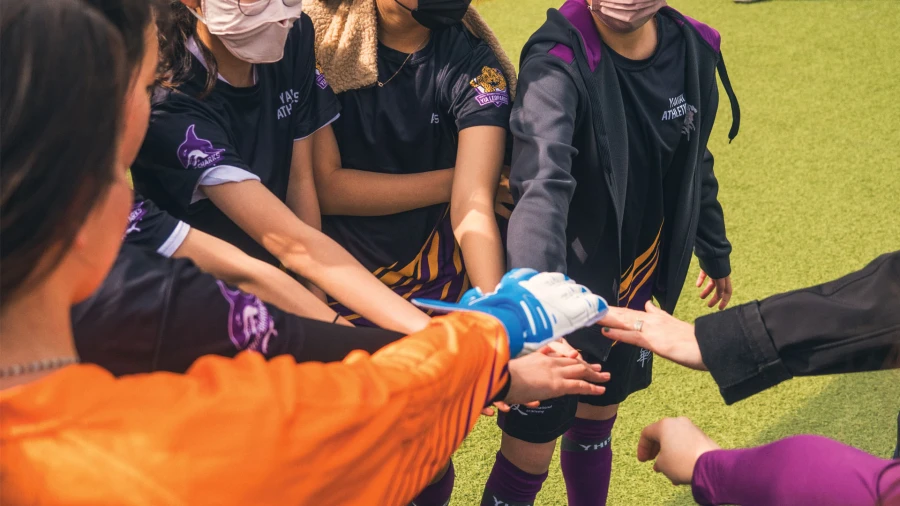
(159, 314)
(411, 125)
(152, 229)
(232, 135)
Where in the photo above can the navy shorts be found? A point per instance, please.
(630, 367)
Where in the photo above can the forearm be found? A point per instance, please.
(275, 287)
(228, 263)
(303, 200)
(322, 261)
(475, 228)
(313, 255)
(846, 325)
(363, 193)
(796, 470)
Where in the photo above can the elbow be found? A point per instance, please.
(293, 249)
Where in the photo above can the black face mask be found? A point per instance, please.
(438, 14)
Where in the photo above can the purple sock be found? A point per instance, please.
(438, 493)
(586, 461)
(510, 486)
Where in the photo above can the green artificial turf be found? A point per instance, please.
(811, 190)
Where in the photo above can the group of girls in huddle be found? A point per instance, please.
(294, 212)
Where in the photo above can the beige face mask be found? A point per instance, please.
(625, 16)
(253, 31)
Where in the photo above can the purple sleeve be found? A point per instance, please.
(796, 470)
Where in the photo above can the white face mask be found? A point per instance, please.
(625, 15)
(254, 31)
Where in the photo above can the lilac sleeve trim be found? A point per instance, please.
(175, 240)
(221, 175)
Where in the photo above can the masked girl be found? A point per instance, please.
(228, 431)
(229, 149)
(409, 171)
(615, 186)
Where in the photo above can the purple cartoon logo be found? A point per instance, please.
(320, 77)
(490, 86)
(250, 326)
(197, 153)
(135, 216)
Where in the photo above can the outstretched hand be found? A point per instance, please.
(676, 444)
(721, 286)
(560, 348)
(661, 333)
(557, 369)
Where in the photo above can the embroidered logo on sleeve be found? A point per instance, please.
(250, 326)
(197, 153)
(491, 87)
(320, 77)
(135, 216)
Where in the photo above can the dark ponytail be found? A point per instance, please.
(174, 58)
(61, 106)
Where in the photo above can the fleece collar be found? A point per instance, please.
(347, 42)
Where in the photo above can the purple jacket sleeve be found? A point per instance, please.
(796, 470)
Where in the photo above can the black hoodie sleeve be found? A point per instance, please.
(542, 125)
(712, 247)
(851, 324)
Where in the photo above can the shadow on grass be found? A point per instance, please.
(857, 409)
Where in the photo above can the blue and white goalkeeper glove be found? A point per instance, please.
(536, 308)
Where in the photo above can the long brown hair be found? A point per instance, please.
(58, 134)
(175, 62)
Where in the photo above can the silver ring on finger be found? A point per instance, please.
(638, 325)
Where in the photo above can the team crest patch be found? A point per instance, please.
(250, 326)
(197, 153)
(491, 87)
(320, 77)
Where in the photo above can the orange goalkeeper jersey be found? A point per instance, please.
(371, 430)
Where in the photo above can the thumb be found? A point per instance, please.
(651, 308)
(648, 445)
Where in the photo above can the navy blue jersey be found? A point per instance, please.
(153, 229)
(659, 122)
(412, 125)
(233, 134)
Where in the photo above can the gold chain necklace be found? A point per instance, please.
(381, 84)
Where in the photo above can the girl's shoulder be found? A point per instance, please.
(457, 45)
